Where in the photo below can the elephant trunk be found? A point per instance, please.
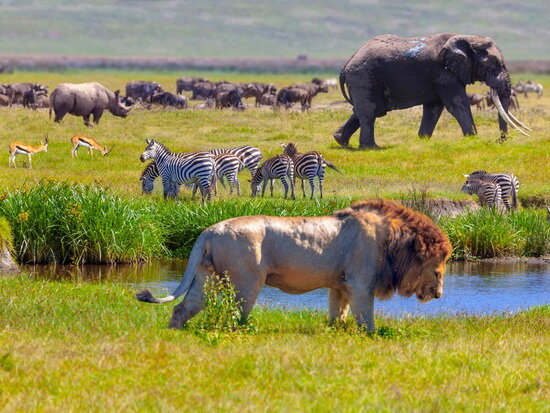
(501, 91)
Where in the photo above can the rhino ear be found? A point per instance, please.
(117, 92)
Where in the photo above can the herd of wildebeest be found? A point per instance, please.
(219, 94)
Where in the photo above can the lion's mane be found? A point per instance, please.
(411, 239)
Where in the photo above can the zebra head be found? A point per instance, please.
(256, 182)
(290, 149)
(148, 176)
(469, 188)
(152, 150)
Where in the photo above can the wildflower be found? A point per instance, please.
(3, 196)
(23, 216)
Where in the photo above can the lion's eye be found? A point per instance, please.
(437, 275)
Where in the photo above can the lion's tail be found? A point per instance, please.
(201, 253)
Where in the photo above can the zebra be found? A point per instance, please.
(509, 184)
(276, 167)
(176, 169)
(489, 193)
(308, 166)
(249, 155)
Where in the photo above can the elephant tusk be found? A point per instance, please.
(504, 115)
(518, 122)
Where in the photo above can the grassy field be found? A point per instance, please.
(319, 28)
(406, 161)
(75, 346)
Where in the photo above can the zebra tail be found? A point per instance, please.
(332, 166)
(200, 254)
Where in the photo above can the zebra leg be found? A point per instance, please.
(321, 185)
(303, 189)
(312, 185)
(285, 185)
(271, 186)
(195, 186)
(291, 179)
(167, 188)
(264, 184)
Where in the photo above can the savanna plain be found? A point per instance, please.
(76, 345)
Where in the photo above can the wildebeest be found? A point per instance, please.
(528, 87)
(476, 100)
(15, 91)
(187, 83)
(229, 99)
(257, 90)
(142, 90)
(202, 91)
(312, 89)
(169, 99)
(228, 87)
(289, 95)
(85, 99)
(268, 99)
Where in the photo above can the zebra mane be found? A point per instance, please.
(154, 141)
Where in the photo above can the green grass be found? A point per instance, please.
(406, 160)
(6, 238)
(77, 346)
(60, 223)
(318, 28)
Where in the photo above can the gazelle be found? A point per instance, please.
(17, 148)
(90, 143)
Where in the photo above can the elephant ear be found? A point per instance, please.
(458, 56)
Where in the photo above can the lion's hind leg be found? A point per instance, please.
(338, 306)
(191, 304)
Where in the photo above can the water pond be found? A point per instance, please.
(470, 288)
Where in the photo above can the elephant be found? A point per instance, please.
(391, 72)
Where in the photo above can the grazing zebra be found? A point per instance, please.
(308, 166)
(178, 170)
(147, 178)
(489, 193)
(228, 166)
(509, 184)
(250, 156)
(276, 167)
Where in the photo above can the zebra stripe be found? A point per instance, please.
(276, 167)
(228, 166)
(181, 169)
(147, 178)
(489, 193)
(508, 182)
(249, 155)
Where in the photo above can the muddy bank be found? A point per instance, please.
(542, 260)
(437, 208)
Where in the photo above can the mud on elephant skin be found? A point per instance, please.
(390, 72)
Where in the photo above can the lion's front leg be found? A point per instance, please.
(338, 306)
(361, 297)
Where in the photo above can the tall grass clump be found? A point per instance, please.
(486, 233)
(64, 223)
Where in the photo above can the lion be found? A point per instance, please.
(371, 248)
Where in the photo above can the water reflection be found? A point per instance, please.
(471, 288)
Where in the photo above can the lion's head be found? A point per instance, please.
(413, 249)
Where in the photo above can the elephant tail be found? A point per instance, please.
(200, 254)
(343, 86)
(52, 100)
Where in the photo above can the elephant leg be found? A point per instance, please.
(430, 115)
(344, 132)
(366, 137)
(457, 103)
(338, 305)
(191, 304)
